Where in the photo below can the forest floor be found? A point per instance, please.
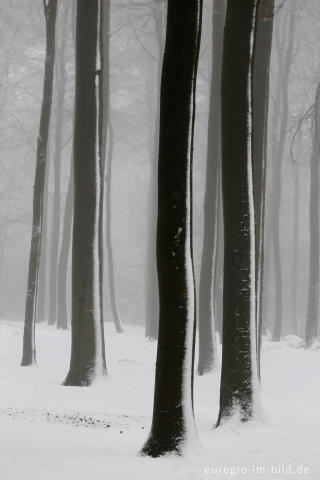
(52, 432)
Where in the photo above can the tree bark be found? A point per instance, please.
(173, 422)
(239, 374)
(295, 250)
(87, 348)
(29, 348)
(207, 329)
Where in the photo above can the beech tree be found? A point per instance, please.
(239, 373)
(87, 348)
(207, 330)
(173, 422)
(29, 348)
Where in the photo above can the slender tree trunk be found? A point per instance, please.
(173, 422)
(62, 293)
(295, 250)
(207, 330)
(283, 82)
(29, 348)
(260, 129)
(87, 349)
(55, 236)
(313, 290)
(239, 374)
(152, 296)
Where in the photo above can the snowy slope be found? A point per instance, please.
(51, 432)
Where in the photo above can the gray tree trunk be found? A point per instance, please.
(29, 348)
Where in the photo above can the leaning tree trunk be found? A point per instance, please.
(239, 374)
(207, 330)
(29, 348)
(260, 129)
(87, 349)
(152, 296)
(61, 78)
(173, 422)
(313, 290)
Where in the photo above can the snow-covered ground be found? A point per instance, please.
(52, 432)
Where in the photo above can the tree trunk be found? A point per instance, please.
(260, 129)
(62, 302)
(152, 296)
(173, 422)
(313, 290)
(239, 374)
(295, 251)
(207, 330)
(87, 349)
(29, 348)
(61, 78)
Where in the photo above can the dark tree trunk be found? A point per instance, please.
(239, 375)
(173, 422)
(62, 293)
(313, 290)
(61, 78)
(29, 348)
(152, 295)
(260, 129)
(87, 350)
(207, 330)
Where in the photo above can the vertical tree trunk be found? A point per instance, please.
(152, 296)
(29, 348)
(260, 128)
(282, 93)
(87, 349)
(207, 330)
(313, 290)
(295, 250)
(108, 177)
(61, 78)
(62, 293)
(239, 374)
(173, 422)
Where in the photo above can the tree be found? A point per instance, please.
(152, 297)
(29, 348)
(239, 373)
(105, 28)
(311, 331)
(173, 421)
(61, 80)
(207, 333)
(260, 131)
(87, 348)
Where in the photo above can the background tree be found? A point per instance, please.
(207, 314)
(87, 349)
(173, 422)
(239, 374)
(29, 349)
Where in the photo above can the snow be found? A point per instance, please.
(52, 432)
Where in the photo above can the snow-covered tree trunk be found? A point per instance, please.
(29, 348)
(173, 422)
(207, 330)
(87, 350)
(239, 374)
